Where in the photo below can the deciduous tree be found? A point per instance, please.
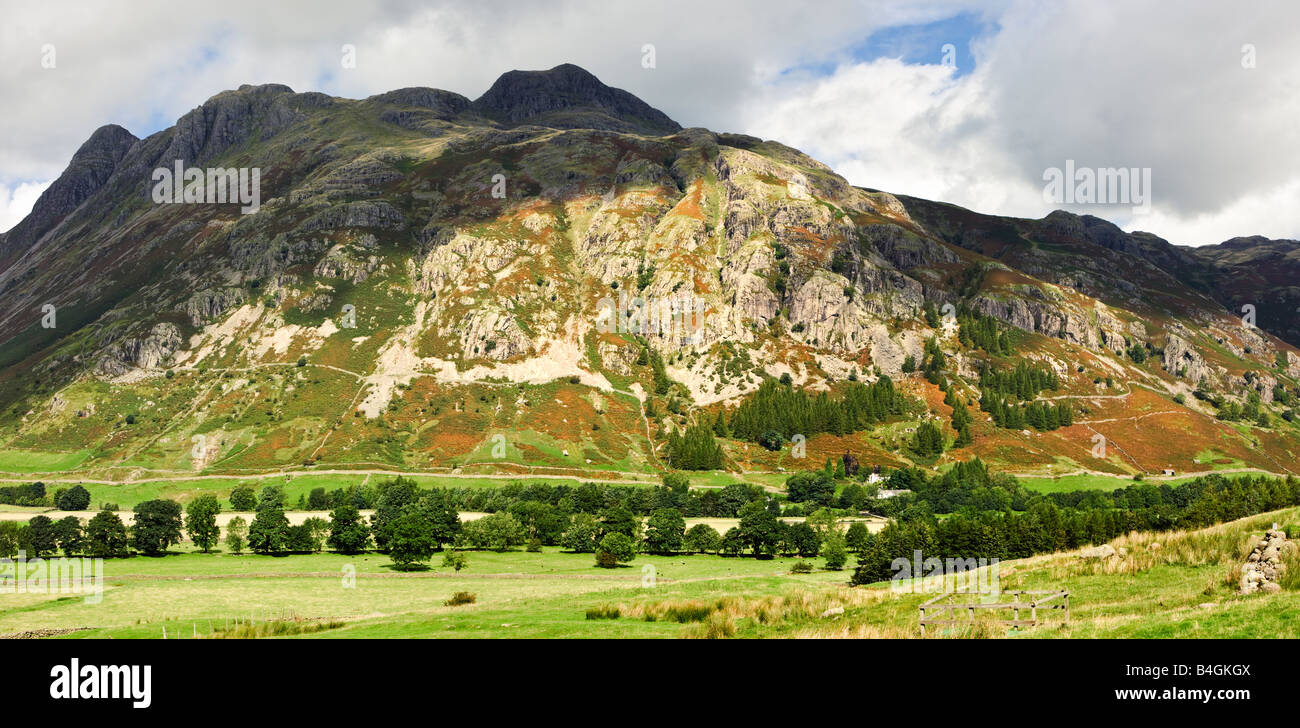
(201, 521)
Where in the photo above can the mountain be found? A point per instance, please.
(568, 97)
(90, 167)
(433, 282)
(1259, 272)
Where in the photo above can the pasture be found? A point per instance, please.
(1184, 589)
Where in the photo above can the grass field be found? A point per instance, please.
(1183, 589)
(31, 461)
(1087, 481)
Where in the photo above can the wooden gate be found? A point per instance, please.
(948, 612)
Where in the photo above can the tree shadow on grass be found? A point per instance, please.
(416, 567)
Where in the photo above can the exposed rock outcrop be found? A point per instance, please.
(444, 104)
(1267, 561)
(233, 117)
(492, 334)
(204, 306)
(363, 214)
(1104, 551)
(147, 352)
(1033, 312)
(569, 97)
(1182, 359)
(341, 262)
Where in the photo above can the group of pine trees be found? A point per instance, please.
(981, 331)
(650, 357)
(695, 449)
(961, 418)
(1003, 394)
(1249, 411)
(928, 441)
(933, 364)
(1023, 382)
(1042, 416)
(778, 411)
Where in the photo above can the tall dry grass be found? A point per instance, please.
(714, 618)
(1227, 545)
(1289, 578)
(274, 628)
(981, 628)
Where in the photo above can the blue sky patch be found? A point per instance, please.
(924, 43)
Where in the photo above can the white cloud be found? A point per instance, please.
(1272, 213)
(909, 129)
(153, 64)
(1138, 84)
(1133, 86)
(17, 201)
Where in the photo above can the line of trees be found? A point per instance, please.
(1056, 521)
(158, 525)
(759, 533)
(410, 524)
(76, 498)
(583, 498)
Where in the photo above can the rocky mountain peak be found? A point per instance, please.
(1258, 241)
(89, 169)
(233, 117)
(443, 103)
(568, 96)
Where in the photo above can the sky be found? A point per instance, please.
(964, 102)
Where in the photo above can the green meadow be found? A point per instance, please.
(1183, 588)
(1088, 481)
